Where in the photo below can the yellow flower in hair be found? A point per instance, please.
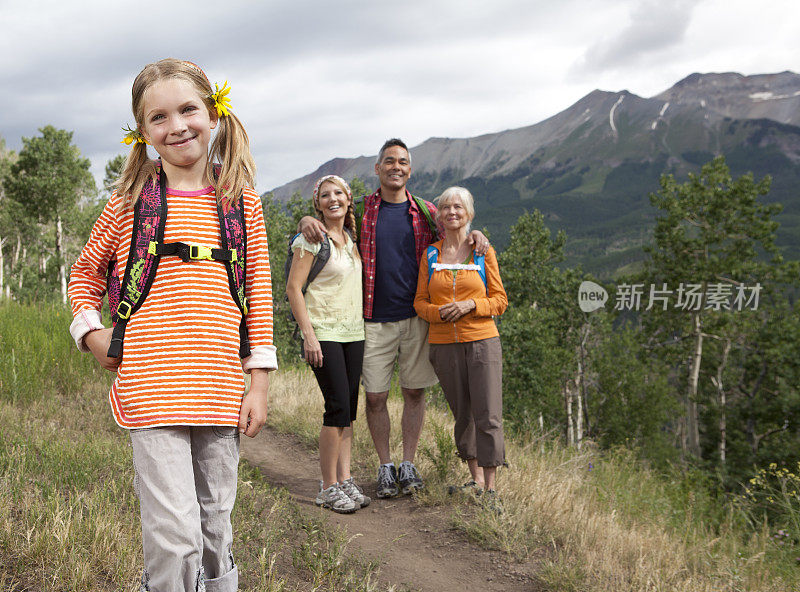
(132, 135)
(221, 100)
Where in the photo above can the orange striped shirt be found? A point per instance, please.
(180, 362)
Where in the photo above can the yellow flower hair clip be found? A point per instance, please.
(221, 100)
(132, 135)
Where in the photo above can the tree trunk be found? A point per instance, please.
(62, 272)
(22, 268)
(568, 402)
(2, 267)
(723, 402)
(17, 251)
(692, 420)
(579, 390)
(579, 419)
(541, 431)
(586, 428)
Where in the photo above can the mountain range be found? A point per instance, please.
(590, 168)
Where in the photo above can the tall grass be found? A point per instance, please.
(33, 363)
(69, 519)
(596, 521)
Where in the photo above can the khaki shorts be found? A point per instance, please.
(405, 341)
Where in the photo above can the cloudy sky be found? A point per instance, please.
(314, 80)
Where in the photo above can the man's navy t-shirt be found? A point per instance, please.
(396, 265)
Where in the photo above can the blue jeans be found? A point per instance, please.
(186, 483)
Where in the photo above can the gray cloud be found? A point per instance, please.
(655, 25)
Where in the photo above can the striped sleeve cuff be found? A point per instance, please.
(85, 321)
(261, 356)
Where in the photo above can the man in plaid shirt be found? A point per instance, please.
(393, 239)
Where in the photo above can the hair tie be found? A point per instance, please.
(330, 178)
(131, 136)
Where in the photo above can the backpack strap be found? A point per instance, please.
(358, 208)
(480, 261)
(427, 214)
(320, 259)
(233, 236)
(432, 256)
(149, 220)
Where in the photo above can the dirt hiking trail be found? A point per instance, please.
(416, 546)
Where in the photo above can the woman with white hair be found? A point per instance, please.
(458, 293)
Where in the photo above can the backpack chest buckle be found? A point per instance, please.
(198, 252)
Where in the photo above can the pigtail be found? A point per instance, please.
(231, 148)
(137, 171)
(350, 222)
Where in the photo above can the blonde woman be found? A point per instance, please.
(329, 313)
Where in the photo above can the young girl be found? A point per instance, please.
(179, 385)
(330, 315)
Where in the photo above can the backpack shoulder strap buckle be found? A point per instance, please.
(198, 252)
(124, 310)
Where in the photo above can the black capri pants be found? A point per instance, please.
(338, 379)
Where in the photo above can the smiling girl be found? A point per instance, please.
(329, 313)
(179, 387)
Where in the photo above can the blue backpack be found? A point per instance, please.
(480, 261)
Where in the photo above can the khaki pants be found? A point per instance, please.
(471, 375)
(186, 483)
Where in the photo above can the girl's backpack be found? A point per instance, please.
(147, 248)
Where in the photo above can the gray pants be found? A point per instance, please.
(186, 483)
(471, 375)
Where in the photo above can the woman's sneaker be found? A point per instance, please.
(492, 503)
(410, 480)
(355, 493)
(334, 498)
(470, 487)
(387, 481)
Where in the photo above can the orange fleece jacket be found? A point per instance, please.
(490, 300)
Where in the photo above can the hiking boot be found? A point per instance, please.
(355, 493)
(470, 487)
(387, 481)
(490, 500)
(410, 481)
(335, 499)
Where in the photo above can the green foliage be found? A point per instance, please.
(37, 354)
(281, 222)
(630, 402)
(540, 328)
(280, 229)
(534, 368)
(49, 174)
(738, 388)
(114, 168)
(358, 188)
(711, 226)
(44, 189)
(528, 264)
(442, 454)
